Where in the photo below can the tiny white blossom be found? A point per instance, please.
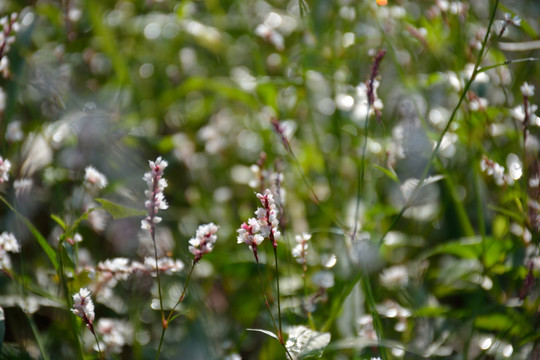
(5, 167)
(156, 200)
(527, 90)
(516, 20)
(14, 131)
(9, 243)
(83, 306)
(204, 240)
(94, 179)
(165, 264)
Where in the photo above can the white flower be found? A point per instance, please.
(5, 167)
(527, 90)
(14, 132)
(83, 306)
(516, 20)
(156, 200)
(300, 250)
(204, 240)
(165, 264)
(9, 243)
(271, 35)
(94, 179)
(395, 276)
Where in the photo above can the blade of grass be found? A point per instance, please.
(49, 251)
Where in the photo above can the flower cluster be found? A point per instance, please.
(83, 307)
(93, 179)
(9, 26)
(121, 269)
(204, 241)
(108, 273)
(164, 265)
(265, 225)
(492, 168)
(156, 200)
(5, 167)
(300, 250)
(8, 243)
(371, 84)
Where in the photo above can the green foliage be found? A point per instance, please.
(422, 205)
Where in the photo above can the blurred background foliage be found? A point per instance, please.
(113, 84)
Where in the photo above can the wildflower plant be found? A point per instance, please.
(399, 140)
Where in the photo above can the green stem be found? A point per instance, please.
(377, 324)
(266, 302)
(169, 318)
(507, 62)
(280, 334)
(362, 171)
(99, 348)
(39, 341)
(68, 299)
(153, 234)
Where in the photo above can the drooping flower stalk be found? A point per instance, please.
(264, 225)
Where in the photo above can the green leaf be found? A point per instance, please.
(511, 214)
(266, 332)
(118, 211)
(509, 321)
(387, 172)
(465, 248)
(49, 251)
(59, 221)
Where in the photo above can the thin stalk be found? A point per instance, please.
(507, 62)
(360, 183)
(99, 348)
(280, 333)
(35, 331)
(65, 290)
(153, 235)
(24, 285)
(266, 302)
(377, 324)
(169, 318)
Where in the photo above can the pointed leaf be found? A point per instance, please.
(59, 221)
(386, 172)
(118, 211)
(269, 333)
